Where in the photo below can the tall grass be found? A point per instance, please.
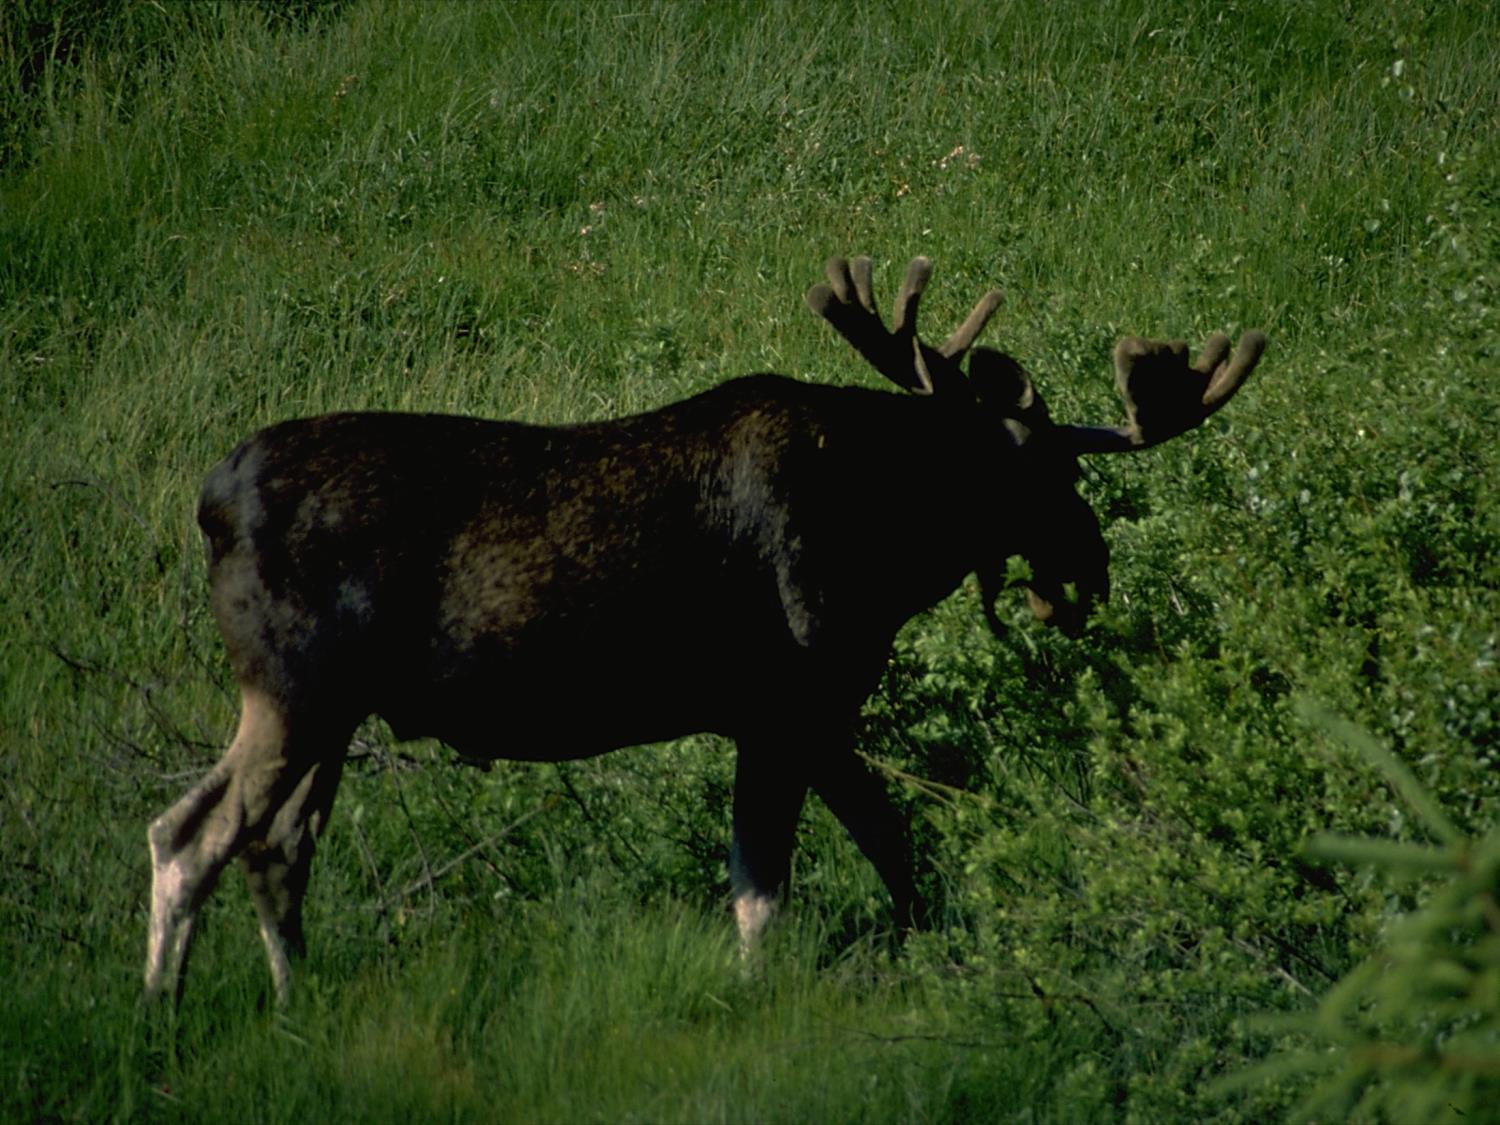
(218, 215)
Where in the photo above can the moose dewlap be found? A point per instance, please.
(738, 562)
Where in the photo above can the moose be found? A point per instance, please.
(738, 562)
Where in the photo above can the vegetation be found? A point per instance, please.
(1412, 1028)
(218, 215)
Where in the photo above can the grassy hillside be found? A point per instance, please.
(216, 216)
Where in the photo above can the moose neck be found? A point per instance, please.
(908, 488)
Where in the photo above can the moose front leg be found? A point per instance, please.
(770, 788)
(768, 797)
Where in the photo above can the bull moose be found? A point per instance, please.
(738, 562)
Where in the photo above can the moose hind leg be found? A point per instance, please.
(768, 797)
(277, 864)
(193, 840)
(859, 799)
(184, 868)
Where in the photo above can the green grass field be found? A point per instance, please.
(214, 216)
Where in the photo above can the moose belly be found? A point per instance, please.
(554, 707)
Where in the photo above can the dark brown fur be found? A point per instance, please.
(751, 550)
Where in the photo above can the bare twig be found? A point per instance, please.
(915, 1037)
(433, 874)
(588, 814)
(416, 836)
(113, 494)
(949, 794)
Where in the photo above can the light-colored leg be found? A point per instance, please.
(193, 840)
(768, 796)
(752, 913)
(277, 867)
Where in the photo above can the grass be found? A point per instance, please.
(216, 216)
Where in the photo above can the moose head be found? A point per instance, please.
(738, 562)
(1053, 529)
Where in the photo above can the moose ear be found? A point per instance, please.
(999, 382)
(1000, 385)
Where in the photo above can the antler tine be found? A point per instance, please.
(862, 270)
(840, 284)
(847, 302)
(965, 334)
(1215, 348)
(1225, 380)
(904, 311)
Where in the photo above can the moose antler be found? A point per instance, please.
(848, 303)
(1164, 394)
